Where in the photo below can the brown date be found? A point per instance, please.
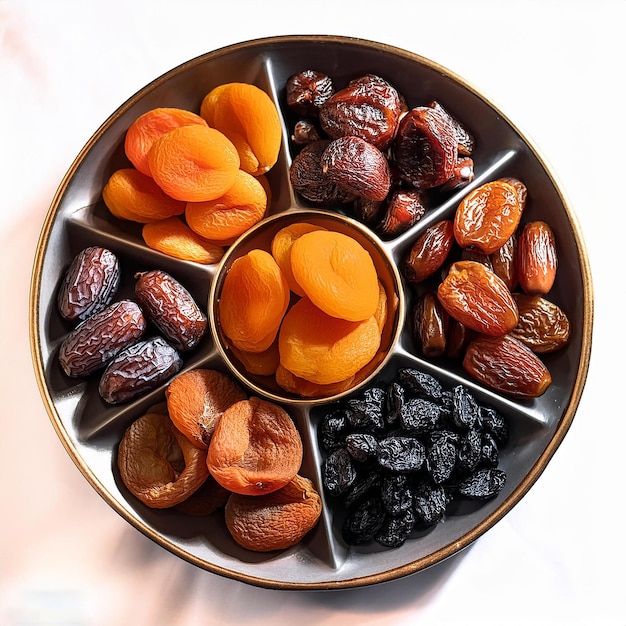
(430, 324)
(536, 258)
(504, 262)
(368, 107)
(476, 297)
(89, 284)
(358, 167)
(137, 369)
(425, 148)
(543, 326)
(100, 337)
(304, 132)
(308, 179)
(458, 338)
(506, 365)
(466, 144)
(307, 91)
(171, 308)
(429, 251)
(404, 208)
(487, 216)
(463, 174)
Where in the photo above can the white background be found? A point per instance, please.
(556, 69)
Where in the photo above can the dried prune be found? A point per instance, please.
(96, 340)
(171, 308)
(137, 369)
(363, 521)
(307, 91)
(89, 284)
(396, 494)
(441, 460)
(425, 148)
(361, 446)
(338, 472)
(394, 531)
(429, 503)
(482, 484)
(401, 454)
(368, 107)
(420, 416)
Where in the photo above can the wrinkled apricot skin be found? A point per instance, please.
(306, 389)
(324, 349)
(151, 125)
(250, 119)
(194, 163)
(131, 195)
(282, 244)
(174, 238)
(336, 273)
(253, 300)
(196, 400)
(225, 218)
(274, 521)
(259, 363)
(158, 464)
(255, 448)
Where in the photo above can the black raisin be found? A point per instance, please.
(489, 453)
(361, 446)
(396, 493)
(363, 521)
(367, 485)
(440, 460)
(420, 416)
(338, 472)
(466, 411)
(395, 530)
(420, 383)
(395, 402)
(469, 451)
(429, 503)
(482, 484)
(367, 411)
(401, 454)
(493, 423)
(333, 430)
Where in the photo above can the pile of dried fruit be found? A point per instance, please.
(109, 335)
(399, 455)
(197, 182)
(361, 148)
(210, 446)
(309, 312)
(468, 270)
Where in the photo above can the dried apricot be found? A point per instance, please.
(174, 238)
(282, 243)
(250, 119)
(324, 349)
(259, 363)
(223, 219)
(131, 195)
(158, 464)
(305, 388)
(148, 127)
(253, 300)
(196, 400)
(210, 497)
(336, 273)
(255, 448)
(274, 521)
(194, 163)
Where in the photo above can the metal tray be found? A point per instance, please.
(91, 430)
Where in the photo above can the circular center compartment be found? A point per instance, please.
(247, 366)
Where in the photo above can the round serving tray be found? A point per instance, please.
(90, 430)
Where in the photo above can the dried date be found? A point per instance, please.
(95, 341)
(307, 91)
(89, 284)
(543, 326)
(537, 260)
(430, 323)
(137, 369)
(429, 251)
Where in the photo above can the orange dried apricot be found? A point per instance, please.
(282, 243)
(255, 448)
(158, 464)
(194, 163)
(224, 218)
(174, 238)
(336, 273)
(253, 300)
(131, 195)
(382, 309)
(210, 497)
(149, 126)
(324, 349)
(250, 119)
(196, 400)
(259, 363)
(274, 521)
(305, 388)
